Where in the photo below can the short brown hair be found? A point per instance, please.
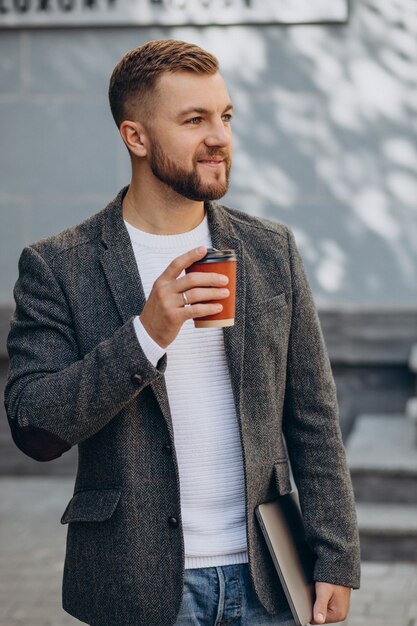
(135, 76)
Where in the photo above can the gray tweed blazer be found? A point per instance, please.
(78, 376)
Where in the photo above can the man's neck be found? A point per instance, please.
(165, 213)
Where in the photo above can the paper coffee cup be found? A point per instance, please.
(220, 262)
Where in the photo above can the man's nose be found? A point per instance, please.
(219, 135)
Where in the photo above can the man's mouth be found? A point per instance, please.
(213, 162)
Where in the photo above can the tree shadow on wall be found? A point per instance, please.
(325, 141)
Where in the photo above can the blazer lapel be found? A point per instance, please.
(121, 271)
(119, 263)
(222, 238)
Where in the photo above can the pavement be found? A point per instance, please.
(32, 546)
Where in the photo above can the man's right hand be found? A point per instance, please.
(164, 312)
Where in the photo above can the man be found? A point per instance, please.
(180, 430)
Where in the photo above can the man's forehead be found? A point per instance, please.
(187, 90)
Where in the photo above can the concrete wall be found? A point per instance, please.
(325, 140)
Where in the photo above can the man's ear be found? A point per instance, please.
(134, 136)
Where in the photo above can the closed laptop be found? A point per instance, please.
(282, 526)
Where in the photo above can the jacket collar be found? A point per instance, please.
(224, 237)
(114, 232)
(119, 263)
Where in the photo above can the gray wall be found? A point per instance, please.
(325, 140)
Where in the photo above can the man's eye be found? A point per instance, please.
(194, 120)
(227, 117)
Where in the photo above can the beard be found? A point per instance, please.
(188, 183)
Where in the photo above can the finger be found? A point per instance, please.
(183, 261)
(202, 295)
(321, 604)
(200, 279)
(319, 614)
(201, 310)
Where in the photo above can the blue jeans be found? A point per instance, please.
(223, 596)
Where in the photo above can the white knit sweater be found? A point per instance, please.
(206, 430)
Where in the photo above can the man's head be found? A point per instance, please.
(134, 83)
(173, 112)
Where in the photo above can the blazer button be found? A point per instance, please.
(137, 379)
(167, 448)
(172, 521)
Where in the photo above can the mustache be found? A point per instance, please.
(214, 153)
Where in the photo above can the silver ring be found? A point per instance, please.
(184, 297)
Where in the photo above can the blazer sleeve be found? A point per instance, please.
(54, 399)
(312, 432)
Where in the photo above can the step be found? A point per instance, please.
(382, 458)
(388, 532)
(412, 361)
(411, 413)
(411, 409)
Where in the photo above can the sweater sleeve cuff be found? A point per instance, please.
(152, 350)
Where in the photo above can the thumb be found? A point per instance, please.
(320, 605)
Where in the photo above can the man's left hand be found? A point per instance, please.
(332, 603)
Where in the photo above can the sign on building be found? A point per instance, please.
(45, 13)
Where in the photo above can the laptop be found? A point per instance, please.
(282, 526)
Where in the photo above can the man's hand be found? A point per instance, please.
(332, 603)
(164, 312)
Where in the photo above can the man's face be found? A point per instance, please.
(190, 138)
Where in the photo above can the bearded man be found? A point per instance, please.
(181, 431)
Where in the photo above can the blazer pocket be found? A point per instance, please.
(263, 306)
(92, 505)
(282, 477)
